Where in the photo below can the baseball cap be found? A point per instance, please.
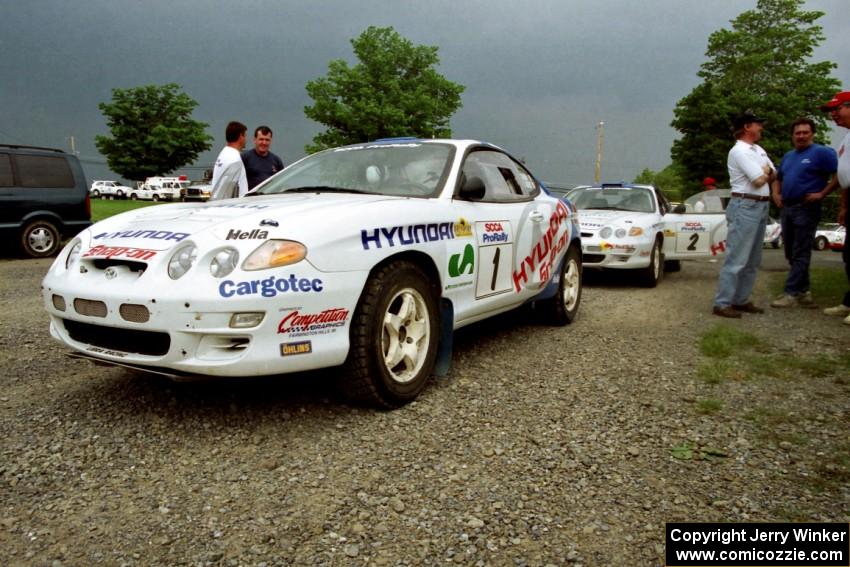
(709, 181)
(745, 118)
(837, 100)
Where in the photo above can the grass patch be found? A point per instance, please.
(103, 208)
(827, 284)
(719, 371)
(768, 416)
(709, 406)
(722, 340)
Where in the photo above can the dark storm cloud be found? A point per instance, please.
(539, 75)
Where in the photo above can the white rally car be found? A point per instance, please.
(366, 256)
(634, 227)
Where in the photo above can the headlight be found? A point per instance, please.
(274, 253)
(635, 231)
(224, 262)
(181, 261)
(606, 232)
(620, 232)
(73, 254)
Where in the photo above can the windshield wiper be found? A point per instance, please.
(322, 189)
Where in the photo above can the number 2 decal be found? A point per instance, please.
(693, 239)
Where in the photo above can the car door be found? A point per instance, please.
(507, 260)
(696, 229)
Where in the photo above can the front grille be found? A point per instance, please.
(124, 340)
(586, 234)
(103, 263)
(134, 313)
(592, 258)
(90, 307)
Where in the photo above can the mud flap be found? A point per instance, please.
(444, 350)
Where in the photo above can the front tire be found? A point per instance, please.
(563, 308)
(393, 337)
(652, 274)
(134, 197)
(820, 243)
(40, 239)
(95, 194)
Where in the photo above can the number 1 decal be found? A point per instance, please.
(495, 268)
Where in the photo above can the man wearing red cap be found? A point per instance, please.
(839, 110)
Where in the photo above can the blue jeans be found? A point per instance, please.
(799, 224)
(746, 221)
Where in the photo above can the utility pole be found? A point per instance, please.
(600, 137)
(73, 145)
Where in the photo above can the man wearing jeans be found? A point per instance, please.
(750, 175)
(802, 182)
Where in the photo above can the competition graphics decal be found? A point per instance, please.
(495, 241)
(297, 324)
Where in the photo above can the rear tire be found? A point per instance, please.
(95, 194)
(393, 337)
(562, 309)
(134, 197)
(40, 239)
(652, 274)
(821, 243)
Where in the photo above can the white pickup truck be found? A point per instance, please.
(161, 189)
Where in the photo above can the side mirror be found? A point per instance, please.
(472, 189)
(680, 209)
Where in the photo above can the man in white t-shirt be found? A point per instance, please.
(750, 175)
(839, 110)
(229, 171)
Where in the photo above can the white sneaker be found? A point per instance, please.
(837, 310)
(847, 320)
(784, 301)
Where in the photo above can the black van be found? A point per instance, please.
(44, 197)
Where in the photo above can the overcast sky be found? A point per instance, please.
(539, 75)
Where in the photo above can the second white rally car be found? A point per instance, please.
(366, 256)
(634, 227)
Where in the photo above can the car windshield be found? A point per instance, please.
(633, 199)
(410, 169)
(829, 226)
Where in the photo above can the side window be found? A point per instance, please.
(504, 179)
(6, 178)
(44, 171)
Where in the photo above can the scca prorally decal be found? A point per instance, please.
(236, 234)
(113, 251)
(270, 286)
(494, 233)
(297, 324)
(302, 347)
(154, 234)
(692, 227)
(545, 251)
(407, 235)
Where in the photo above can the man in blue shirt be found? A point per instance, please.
(260, 162)
(801, 184)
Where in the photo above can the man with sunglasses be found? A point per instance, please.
(839, 110)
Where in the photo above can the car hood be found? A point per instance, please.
(592, 218)
(285, 216)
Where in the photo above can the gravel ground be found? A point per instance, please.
(544, 446)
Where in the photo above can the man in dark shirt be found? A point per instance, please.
(800, 186)
(260, 163)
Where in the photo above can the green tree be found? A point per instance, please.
(394, 90)
(762, 64)
(670, 180)
(152, 131)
